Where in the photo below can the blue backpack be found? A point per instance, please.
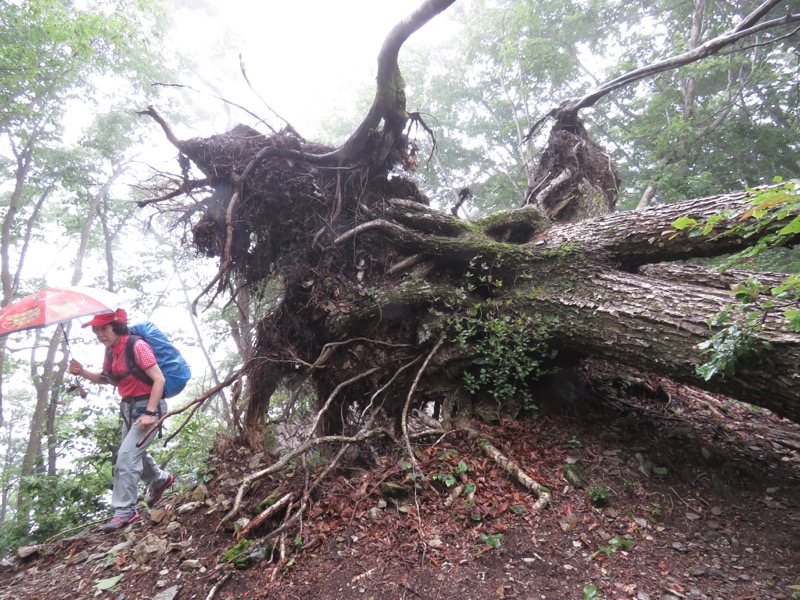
(172, 364)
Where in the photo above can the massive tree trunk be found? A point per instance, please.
(373, 280)
(588, 275)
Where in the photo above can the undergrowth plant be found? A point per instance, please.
(590, 592)
(510, 352)
(614, 544)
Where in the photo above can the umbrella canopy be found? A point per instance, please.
(55, 305)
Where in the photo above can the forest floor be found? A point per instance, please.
(701, 501)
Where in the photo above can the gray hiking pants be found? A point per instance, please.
(134, 463)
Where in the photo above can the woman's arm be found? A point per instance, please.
(156, 392)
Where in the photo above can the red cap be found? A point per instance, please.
(105, 318)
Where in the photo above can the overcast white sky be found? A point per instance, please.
(304, 57)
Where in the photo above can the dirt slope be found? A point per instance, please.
(702, 502)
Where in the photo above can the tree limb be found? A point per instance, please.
(389, 101)
(749, 26)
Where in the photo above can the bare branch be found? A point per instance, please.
(335, 392)
(194, 403)
(404, 418)
(151, 112)
(290, 456)
(389, 101)
(220, 98)
(184, 188)
(755, 16)
(749, 26)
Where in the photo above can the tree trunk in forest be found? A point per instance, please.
(33, 461)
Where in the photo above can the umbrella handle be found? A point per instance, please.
(76, 385)
(66, 337)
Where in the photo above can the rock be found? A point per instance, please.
(6, 565)
(149, 548)
(188, 507)
(167, 594)
(81, 556)
(192, 564)
(569, 522)
(199, 493)
(27, 551)
(487, 415)
(173, 526)
(117, 548)
(259, 553)
(394, 490)
(574, 477)
(158, 515)
(374, 513)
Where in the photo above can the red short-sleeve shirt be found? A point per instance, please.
(130, 387)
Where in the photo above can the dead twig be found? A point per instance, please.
(335, 393)
(196, 402)
(265, 514)
(217, 586)
(404, 418)
(184, 188)
(248, 481)
(514, 470)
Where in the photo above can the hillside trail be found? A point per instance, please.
(659, 492)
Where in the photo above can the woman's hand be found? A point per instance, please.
(145, 421)
(75, 368)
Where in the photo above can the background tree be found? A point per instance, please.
(683, 133)
(57, 63)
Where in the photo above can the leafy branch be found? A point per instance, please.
(774, 215)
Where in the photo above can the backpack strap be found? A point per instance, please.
(130, 361)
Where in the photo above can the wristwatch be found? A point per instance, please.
(149, 413)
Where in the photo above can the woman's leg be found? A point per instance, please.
(130, 463)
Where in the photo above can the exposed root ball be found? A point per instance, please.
(575, 178)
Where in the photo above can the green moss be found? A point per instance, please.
(237, 554)
(560, 251)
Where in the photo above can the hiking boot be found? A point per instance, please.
(117, 523)
(154, 494)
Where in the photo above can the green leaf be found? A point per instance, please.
(793, 315)
(589, 592)
(684, 223)
(793, 227)
(107, 584)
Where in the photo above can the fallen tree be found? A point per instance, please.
(373, 280)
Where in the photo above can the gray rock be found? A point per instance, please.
(167, 594)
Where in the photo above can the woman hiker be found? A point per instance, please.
(142, 403)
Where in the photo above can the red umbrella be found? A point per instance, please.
(55, 305)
